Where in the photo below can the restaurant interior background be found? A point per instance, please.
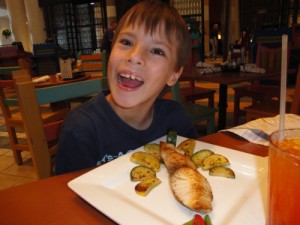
(78, 25)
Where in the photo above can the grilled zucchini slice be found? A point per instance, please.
(153, 149)
(146, 159)
(214, 161)
(187, 146)
(139, 173)
(222, 172)
(145, 186)
(198, 157)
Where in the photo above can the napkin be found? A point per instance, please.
(41, 79)
(252, 68)
(258, 131)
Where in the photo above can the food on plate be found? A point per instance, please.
(153, 149)
(199, 156)
(207, 220)
(145, 186)
(187, 146)
(146, 159)
(172, 137)
(214, 161)
(222, 172)
(192, 189)
(139, 173)
(197, 220)
(172, 159)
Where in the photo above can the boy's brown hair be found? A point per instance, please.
(153, 14)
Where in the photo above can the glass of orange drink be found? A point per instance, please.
(284, 178)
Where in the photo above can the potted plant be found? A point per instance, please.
(6, 33)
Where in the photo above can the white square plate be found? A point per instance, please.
(236, 201)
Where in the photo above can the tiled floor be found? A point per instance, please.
(10, 173)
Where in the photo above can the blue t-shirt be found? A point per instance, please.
(93, 134)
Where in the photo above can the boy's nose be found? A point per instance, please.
(135, 56)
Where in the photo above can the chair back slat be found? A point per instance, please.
(70, 90)
(8, 70)
(33, 125)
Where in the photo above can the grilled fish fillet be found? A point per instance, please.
(174, 160)
(192, 189)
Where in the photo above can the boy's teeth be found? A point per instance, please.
(133, 77)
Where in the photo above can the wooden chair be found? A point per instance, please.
(5, 72)
(12, 116)
(30, 99)
(190, 93)
(94, 63)
(269, 108)
(198, 113)
(269, 59)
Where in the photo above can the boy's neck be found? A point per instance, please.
(139, 118)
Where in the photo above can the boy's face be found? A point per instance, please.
(140, 66)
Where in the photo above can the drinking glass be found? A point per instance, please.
(284, 178)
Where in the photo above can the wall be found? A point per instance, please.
(4, 24)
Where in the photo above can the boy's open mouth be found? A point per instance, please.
(129, 81)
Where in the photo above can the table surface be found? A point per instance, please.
(55, 80)
(50, 201)
(225, 78)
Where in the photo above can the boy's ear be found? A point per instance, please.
(174, 77)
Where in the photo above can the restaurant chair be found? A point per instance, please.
(12, 116)
(190, 93)
(5, 72)
(198, 113)
(30, 98)
(270, 108)
(26, 64)
(95, 63)
(269, 59)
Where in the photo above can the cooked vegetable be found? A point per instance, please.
(153, 149)
(197, 220)
(172, 137)
(199, 156)
(214, 161)
(139, 173)
(222, 172)
(207, 220)
(146, 185)
(187, 146)
(145, 159)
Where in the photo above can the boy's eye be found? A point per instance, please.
(158, 52)
(125, 42)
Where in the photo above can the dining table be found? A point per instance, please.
(224, 79)
(55, 79)
(51, 201)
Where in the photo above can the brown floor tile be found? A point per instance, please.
(25, 170)
(6, 162)
(8, 181)
(4, 151)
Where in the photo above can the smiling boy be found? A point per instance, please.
(151, 45)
